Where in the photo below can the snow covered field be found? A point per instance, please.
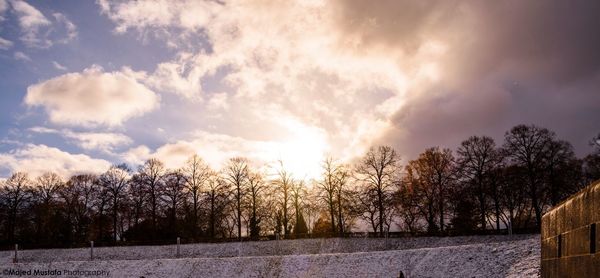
(476, 256)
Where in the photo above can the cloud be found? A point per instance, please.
(103, 141)
(37, 30)
(5, 44)
(214, 148)
(302, 155)
(30, 21)
(179, 78)
(92, 97)
(268, 67)
(3, 8)
(143, 14)
(29, 16)
(37, 159)
(69, 29)
(499, 64)
(22, 56)
(218, 101)
(58, 66)
(404, 73)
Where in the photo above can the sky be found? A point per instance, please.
(88, 84)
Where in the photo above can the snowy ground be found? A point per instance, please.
(477, 256)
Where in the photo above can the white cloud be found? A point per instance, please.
(3, 8)
(70, 29)
(37, 159)
(22, 56)
(5, 44)
(302, 153)
(41, 129)
(58, 66)
(103, 141)
(275, 68)
(178, 78)
(39, 31)
(29, 16)
(214, 148)
(187, 14)
(31, 20)
(218, 102)
(92, 97)
(358, 71)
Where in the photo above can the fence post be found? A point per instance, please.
(91, 250)
(178, 243)
(16, 260)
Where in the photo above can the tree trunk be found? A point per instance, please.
(381, 214)
(239, 213)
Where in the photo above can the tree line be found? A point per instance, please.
(479, 186)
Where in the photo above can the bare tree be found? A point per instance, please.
(477, 158)
(418, 188)
(561, 166)
(151, 174)
(312, 207)
(438, 166)
(138, 196)
(47, 185)
(512, 186)
(256, 186)
(367, 206)
(197, 172)
(172, 195)
(44, 195)
(216, 200)
(298, 193)
(283, 183)
(115, 182)
(528, 146)
(378, 170)
(236, 174)
(78, 196)
(327, 188)
(15, 194)
(342, 197)
(101, 201)
(408, 208)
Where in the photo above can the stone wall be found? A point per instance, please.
(571, 236)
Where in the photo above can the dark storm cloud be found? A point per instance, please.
(506, 63)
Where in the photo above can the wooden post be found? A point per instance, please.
(16, 260)
(178, 243)
(92, 250)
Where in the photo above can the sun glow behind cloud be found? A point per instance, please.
(304, 151)
(291, 80)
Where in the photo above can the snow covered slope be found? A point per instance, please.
(484, 257)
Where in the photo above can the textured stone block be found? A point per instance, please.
(595, 264)
(576, 242)
(549, 248)
(572, 220)
(586, 201)
(549, 268)
(546, 225)
(595, 206)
